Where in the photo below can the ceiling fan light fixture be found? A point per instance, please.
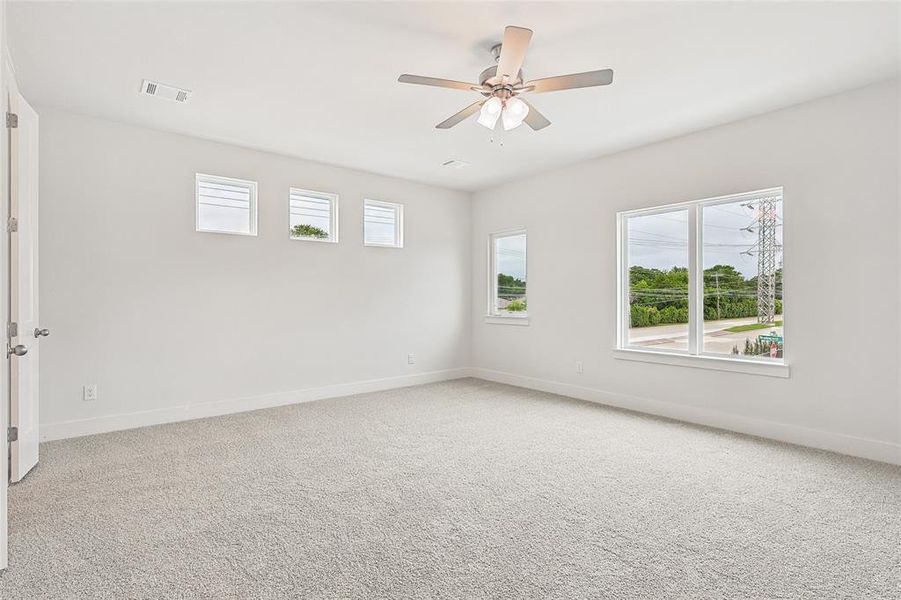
(503, 81)
(490, 112)
(514, 113)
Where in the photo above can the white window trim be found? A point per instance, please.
(333, 215)
(494, 317)
(717, 362)
(252, 185)
(507, 320)
(693, 357)
(398, 223)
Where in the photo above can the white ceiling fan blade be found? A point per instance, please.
(535, 119)
(571, 82)
(461, 116)
(436, 82)
(513, 51)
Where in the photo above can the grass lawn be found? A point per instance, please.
(753, 326)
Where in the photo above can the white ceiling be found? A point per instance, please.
(319, 80)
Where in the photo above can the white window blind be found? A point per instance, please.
(313, 215)
(383, 224)
(226, 205)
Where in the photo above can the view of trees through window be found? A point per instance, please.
(658, 280)
(741, 254)
(510, 267)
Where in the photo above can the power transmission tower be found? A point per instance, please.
(766, 260)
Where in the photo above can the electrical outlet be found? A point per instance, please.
(579, 367)
(89, 392)
(411, 359)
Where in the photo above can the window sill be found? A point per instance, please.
(223, 232)
(716, 363)
(506, 320)
(312, 239)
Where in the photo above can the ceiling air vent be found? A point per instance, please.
(455, 163)
(161, 90)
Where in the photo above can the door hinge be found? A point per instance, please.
(12, 120)
(12, 225)
(12, 434)
(12, 330)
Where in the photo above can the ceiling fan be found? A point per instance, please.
(503, 84)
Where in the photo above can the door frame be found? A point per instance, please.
(7, 88)
(6, 85)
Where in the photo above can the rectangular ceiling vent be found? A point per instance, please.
(161, 90)
(455, 163)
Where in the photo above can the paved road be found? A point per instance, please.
(675, 337)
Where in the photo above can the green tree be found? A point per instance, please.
(509, 287)
(658, 296)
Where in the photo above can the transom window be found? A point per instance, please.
(383, 224)
(313, 215)
(225, 205)
(704, 278)
(508, 275)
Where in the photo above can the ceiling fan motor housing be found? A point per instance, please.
(489, 78)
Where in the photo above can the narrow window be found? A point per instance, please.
(508, 275)
(313, 215)
(704, 278)
(383, 224)
(225, 205)
(658, 280)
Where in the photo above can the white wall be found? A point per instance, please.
(162, 317)
(838, 160)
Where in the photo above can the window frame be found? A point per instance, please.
(398, 223)
(695, 356)
(253, 208)
(333, 215)
(493, 315)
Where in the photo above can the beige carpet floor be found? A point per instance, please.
(462, 489)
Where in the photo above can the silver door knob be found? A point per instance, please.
(41, 332)
(19, 350)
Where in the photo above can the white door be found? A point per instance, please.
(24, 327)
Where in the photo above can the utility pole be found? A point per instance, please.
(766, 259)
(716, 275)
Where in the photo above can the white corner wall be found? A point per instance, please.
(173, 324)
(838, 160)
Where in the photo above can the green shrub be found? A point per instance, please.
(516, 305)
(308, 231)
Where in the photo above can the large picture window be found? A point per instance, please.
(704, 278)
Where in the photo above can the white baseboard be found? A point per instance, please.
(824, 440)
(80, 427)
(793, 434)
